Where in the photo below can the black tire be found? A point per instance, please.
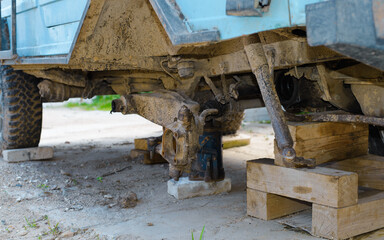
(231, 122)
(376, 143)
(21, 110)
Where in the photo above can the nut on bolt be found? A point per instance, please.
(117, 105)
(289, 154)
(186, 69)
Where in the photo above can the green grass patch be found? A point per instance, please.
(102, 103)
(265, 122)
(201, 234)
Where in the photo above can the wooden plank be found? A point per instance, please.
(305, 131)
(321, 185)
(301, 220)
(327, 155)
(327, 148)
(145, 157)
(27, 154)
(141, 143)
(239, 140)
(333, 142)
(269, 206)
(370, 169)
(360, 147)
(342, 223)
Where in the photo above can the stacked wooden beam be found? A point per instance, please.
(346, 196)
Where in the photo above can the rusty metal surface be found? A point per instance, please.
(290, 53)
(52, 91)
(263, 72)
(58, 92)
(370, 98)
(264, 78)
(335, 116)
(182, 121)
(71, 78)
(335, 91)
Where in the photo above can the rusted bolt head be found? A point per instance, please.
(289, 154)
(184, 114)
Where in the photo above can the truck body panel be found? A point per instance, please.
(45, 28)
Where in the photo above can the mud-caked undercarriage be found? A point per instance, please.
(194, 90)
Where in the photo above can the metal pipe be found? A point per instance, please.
(53, 91)
(264, 75)
(260, 68)
(336, 116)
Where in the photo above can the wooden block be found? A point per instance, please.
(239, 140)
(27, 154)
(326, 142)
(321, 185)
(342, 223)
(334, 142)
(306, 131)
(145, 157)
(370, 169)
(328, 155)
(141, 143)
(269, 206)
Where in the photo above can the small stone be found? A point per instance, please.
(184, 188)
(62, 172)
(86, 177)
(129, 200)
(108, 196)
(112, 205)
(67, 234)
(18, 199)
(23, 233)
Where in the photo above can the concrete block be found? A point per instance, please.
(27, 154)
(184, 188)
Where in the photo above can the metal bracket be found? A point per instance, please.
(12, 52)
(263, 72)
(175, 24)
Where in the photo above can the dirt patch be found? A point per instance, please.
(78, 194)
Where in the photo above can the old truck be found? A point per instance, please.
(193, 66)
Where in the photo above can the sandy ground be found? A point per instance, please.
(66, 197)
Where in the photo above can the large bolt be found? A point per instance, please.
(186, 69)
(289, 154)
